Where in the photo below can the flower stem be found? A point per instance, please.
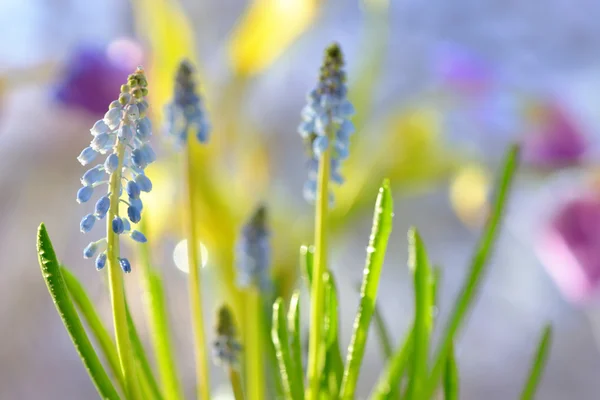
(115, 285)
(255, 372)
(236, 383)
(317, 289)
(202, 373)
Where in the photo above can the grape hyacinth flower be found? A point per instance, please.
(253, 252)
(123, 134)
(186, 111)
(226, 348)
(326, 123)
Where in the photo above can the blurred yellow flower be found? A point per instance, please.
(469, 194)
(266, 29)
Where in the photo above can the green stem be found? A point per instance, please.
(538, 365)
(158, 322)
(317, 290)
(255, 373)
(194, 262)
(236, 383)
(115, 284)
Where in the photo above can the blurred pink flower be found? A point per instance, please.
(92, 76)
(569, 247)
(555, 140)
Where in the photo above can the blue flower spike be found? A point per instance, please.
(185, 114)
(253, 255)
(123, 136)
(226, 348)
(325, 120)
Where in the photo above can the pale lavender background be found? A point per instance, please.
(540, 44)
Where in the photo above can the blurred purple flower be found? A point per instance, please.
(556, 140)
(93, 76)
(461, 69)
(569, 248)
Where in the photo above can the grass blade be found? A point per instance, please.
(158, 324)
(146, 376)
(381, 331)
(59, 292)
(424, 307)
(451, 377)
(295, 339)
(91, 317)
(307, 256)
(477, 268)
(333, 371)
(279, 334)
(541, 357)
(389, 381)
(382, 227)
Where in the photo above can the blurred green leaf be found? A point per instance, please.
(59, 292)
(380, 232)
(88, 311)
(477, 268)
(295, 339)
(279, 335)
(424, 308)
(539, 363)
(451, 377)
(391, 377)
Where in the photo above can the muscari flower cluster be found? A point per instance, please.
(226, 347)
(123, 135)
(253, 252)
(326, 123)
(186, 113)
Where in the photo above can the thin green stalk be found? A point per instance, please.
(539, 363)
(423, 325)
(158, 321)
(382, 334)
(477, 268)
(236, 383)
(333, 370)
(390, 379)
(194, 262)
(295, 341)
(66, 310)
(279, 335)
(88, 311)
(146, 377)
(380, 233)
(315, 358)
(451, 379)
(255, 372)
(115, 283)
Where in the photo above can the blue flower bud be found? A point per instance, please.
(148, 153)
(92, 175)
(322, 121)
(203, 133)
(320, 144)
(100, 141)
(87, 156)
(100, 261)
(126, 225)
(84, 194)
(113, 117)
(99, 127)
(134, 214)
(102, 206)
(144, 129)
(133, 112)
(344, 110)
(125, 133)
(87, 223)
(144, 183)
(125, 266)
(111, 163)
(138, 236)
(132, 189)
(137, 203)
(138, 160)
(345, 130)
(306, 128)
(117, 225)
(90, 250)
(310, 190)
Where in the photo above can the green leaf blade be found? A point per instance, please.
(451, 377)
(58, 290)
(477, 268)
(382, 227)
(389, 381)
(296, 339)
(538, 365)
(279, 334)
